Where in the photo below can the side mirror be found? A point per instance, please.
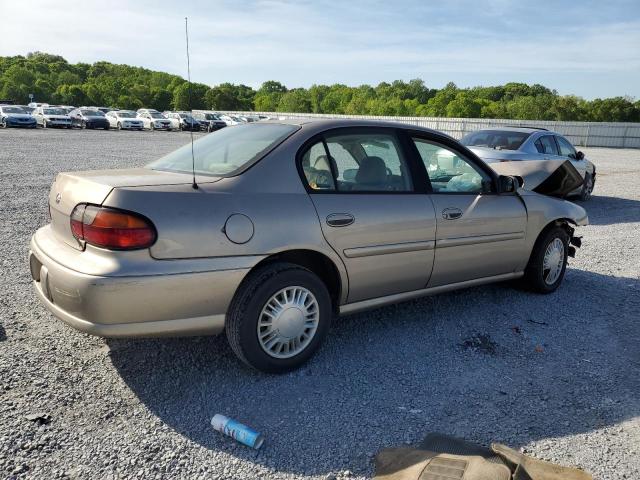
(579, 156)
(507, 184)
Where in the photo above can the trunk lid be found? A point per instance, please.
(71, 188)
(556, 178)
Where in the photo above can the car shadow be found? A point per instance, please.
(387, 377)
(610, 210)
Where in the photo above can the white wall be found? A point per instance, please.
(586, 134)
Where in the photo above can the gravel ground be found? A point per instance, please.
(556, 375)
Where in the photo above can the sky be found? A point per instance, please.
(586, 48)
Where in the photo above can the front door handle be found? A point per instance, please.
(340, 219)
(451, 213)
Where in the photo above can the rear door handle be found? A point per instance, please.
(451, 213)
(340, 219)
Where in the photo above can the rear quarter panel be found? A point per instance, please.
(190, 223)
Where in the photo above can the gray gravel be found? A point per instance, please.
(560, 379)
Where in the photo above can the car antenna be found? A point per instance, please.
(193, 157)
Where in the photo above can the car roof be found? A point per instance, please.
(516, 129)
(326, 124)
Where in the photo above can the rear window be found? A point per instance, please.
(497, 139)
(227, 151)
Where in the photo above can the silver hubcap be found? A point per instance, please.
(553, 261)
(288, 322)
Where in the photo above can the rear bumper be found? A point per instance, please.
(176, 301)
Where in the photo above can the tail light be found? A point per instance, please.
(111, 228)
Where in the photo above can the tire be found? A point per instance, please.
(119, 127)
(151, 127)
(107, 127)
(44, 124)
(3, 124)
(83, 125)
(587, 187)
(253, 297)
(535, 278)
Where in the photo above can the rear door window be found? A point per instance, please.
(546, 145)
(357, 162)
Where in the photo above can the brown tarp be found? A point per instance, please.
(440, 457)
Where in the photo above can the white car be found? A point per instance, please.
(146, 110)
(124, 120)
(154, 121)
(183, 121)
(51, 117)
(230, 120)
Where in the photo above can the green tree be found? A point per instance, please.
(295, 101)
(192, 97)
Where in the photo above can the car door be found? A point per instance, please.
(361, 183)
(479, 233)
(568, 152)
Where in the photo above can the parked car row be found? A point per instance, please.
(67, 116)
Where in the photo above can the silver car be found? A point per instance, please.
(48, 117)
(506, 144)
(268, 230)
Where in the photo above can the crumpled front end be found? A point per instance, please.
(556, 178)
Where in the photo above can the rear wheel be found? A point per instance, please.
(548, 261)
(587, 187)
(278, 317)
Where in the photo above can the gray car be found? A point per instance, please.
(268, 230)
(505, 144)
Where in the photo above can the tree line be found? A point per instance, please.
(50, 78)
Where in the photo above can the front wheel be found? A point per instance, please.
(587, 187)
(548, 261)
(278, 317)
(119, 126)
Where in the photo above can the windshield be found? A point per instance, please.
(225, 151)
(12, 110)
(126, 114)
(92, 113)
(186, 116)
(497, 139)
(211, 116)
(53, 111)
(156, 115)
